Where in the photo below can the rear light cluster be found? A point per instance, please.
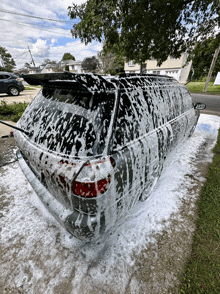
(91, 189)
(94, 179)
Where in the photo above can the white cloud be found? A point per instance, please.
(78, 49)
(41, 49)
(53, 41)
(46, 39)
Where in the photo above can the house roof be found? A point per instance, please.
(50, 65)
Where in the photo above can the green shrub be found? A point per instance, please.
(12, 111)
(204, 79)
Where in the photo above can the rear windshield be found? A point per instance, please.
(69, 119)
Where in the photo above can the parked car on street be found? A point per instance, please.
(92, 148)
(10, 83)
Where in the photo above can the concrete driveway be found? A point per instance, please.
(25, 96)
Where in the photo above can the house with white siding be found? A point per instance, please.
(174, 67)
(75, 66)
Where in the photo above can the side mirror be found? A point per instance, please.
(199, 106)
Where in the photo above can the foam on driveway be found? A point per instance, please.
(39, 256)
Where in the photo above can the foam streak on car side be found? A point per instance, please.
(168, 127)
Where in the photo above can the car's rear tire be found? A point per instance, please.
(13, 91)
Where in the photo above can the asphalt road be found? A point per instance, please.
(212, 102)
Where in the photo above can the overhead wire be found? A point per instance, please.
(32, 26)
(33, 16)
(21, 54)
(23, 58)
(25, 24)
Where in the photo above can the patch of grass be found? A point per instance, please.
(202, 274)
(28, 88)
(35, 86)
(197, 87)
(12, 111)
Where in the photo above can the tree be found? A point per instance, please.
(68, 56)
(58, 67)
(142, 29)
(48, 61)
(202, 57)
(27, 65)
(90, 64)
(7, 62)
(111, 63)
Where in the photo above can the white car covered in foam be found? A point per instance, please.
(91, 146)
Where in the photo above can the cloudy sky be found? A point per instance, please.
(26, 23)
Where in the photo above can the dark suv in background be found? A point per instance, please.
(10, 83)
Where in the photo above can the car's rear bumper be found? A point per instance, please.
(81, 225)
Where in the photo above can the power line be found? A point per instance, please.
(25, 24)
(33, 16)
(20, 54)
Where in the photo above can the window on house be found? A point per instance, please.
(156, 72)
(171, 72)
(131, 63)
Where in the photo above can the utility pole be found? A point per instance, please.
(211, 68)
(31, 56)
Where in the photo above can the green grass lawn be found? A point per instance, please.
(202, 274)
(30, 87)
(35, 86)
(197, 87)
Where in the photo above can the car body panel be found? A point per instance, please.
(148, 116)
(8, 80)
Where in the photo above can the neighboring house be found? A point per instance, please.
(21, 71)
(172, 67)
(34, 70)
(48, 68)
(74, 66)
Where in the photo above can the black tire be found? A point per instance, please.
(13, 91)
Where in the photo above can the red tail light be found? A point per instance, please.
(91, 189)
(93, 180)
